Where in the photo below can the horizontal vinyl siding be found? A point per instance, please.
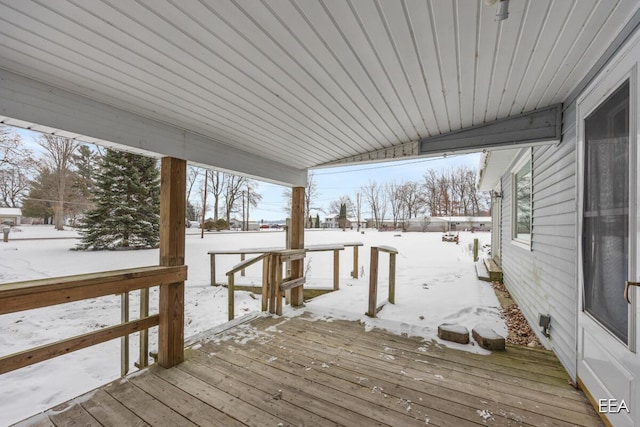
(543, 280)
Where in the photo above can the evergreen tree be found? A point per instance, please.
(127, 204)
(342, 217)
(317, 220)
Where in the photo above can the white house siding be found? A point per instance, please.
(543, 280)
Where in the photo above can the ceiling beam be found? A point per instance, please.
(30, 101)
(401, 151)
(538, 126)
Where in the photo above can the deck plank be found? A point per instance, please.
(109, 412)
(435, 384)
(73, 415)
(303, 371)
(377, 395)
(185, 404)
(286, 403)
(212, 389)
(151, 410)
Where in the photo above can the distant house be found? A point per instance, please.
(10, 216)
(453, 223)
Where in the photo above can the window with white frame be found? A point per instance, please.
(521, 174)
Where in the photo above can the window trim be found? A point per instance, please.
(525, 158)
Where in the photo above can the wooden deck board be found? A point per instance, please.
(109, 412)
(299, 371)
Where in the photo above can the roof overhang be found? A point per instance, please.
(272, 89)
(41, 107)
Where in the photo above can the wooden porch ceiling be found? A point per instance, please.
(278, 371)
(273, 88)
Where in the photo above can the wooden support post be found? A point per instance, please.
(277, 286)
(213, 269)
(143, 361)
(354, 273)
(265, 283)
(336, 270)
(273, 262)
(172, 243)
(231, 296)
(242, 258)
(124, 341)
(297, 242)
(392, 278)
(373, 282)
(475, 250)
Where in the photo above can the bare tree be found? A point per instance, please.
(334, 206)
(252, 197)
(310, 195)
(396, 201)
(194, 173)
(16, 167)
(233, 186)
(59, 153)
(377, 199)
(217, 183)
(11, 147)
(413, 198)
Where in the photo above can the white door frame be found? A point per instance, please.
(606, 367)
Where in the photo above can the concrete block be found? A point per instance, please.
(488, 338)
(454, 333)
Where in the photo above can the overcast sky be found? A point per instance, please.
(335, 182)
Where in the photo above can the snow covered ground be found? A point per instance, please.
(436, 283)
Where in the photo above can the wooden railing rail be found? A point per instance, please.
(40, 293)
(273, 284)
(311, 248)
(373, 308)
(231, 280)
(20, 296)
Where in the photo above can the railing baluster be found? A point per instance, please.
(124, 340)
(143, 361)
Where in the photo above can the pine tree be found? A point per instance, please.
(127, 204)
(342, 217)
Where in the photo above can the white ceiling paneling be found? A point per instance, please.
(421, 18)
(310, 82)
(602, 26)
(508, 38)
(467, 18)
(488, 31)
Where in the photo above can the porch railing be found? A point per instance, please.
(374, 308)
(21, 296)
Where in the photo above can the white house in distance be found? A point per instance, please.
(10, 216)
(445, 224)
(271, 90)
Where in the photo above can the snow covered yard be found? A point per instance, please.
(436, 283)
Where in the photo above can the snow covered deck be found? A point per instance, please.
(306, 371)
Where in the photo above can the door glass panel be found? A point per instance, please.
(605, 231)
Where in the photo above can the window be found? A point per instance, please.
(522, 200)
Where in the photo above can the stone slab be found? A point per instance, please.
(454, 333)
(488, 339)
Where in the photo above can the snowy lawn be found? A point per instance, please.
(435, 283)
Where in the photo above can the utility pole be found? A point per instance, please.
(358, 209)
(244, 224)
(248, 204)
(204, 203)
